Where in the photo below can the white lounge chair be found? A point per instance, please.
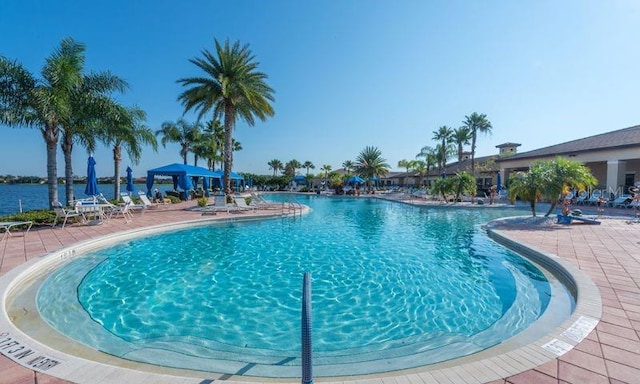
(5, 227)
(241, 203)
(122, 210)
(145, 200)
(65, 214)
(132, 206)
(219, 205)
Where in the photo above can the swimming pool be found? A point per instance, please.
(394, 287)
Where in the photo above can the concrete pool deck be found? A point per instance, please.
(609, 254)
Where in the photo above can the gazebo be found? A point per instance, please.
(184, 176)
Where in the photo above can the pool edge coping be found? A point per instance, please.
(467, 369)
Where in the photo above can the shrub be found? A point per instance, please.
(38, 217)
(174, 199)
(202, 202)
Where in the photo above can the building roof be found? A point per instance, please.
(627, 137)
(465, 165)
(509, 144)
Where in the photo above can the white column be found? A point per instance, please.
(615, 176)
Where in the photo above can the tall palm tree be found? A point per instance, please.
(90, 106)
(181, 132)
(404, 163)
(476, 122)
(348, 165)
(276, 165)
(232, 88)
(461, 137)
(291, 166)
(370, 164)
(43, 103)
(326, 168)
(308, 165)
(430, 159)
(125, 128)
(419, 166)
(443, 134)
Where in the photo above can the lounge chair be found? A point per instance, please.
(145, 200)
(241, 203)
(568, 219)
(132, 206)
(5, 227)
(582, 197)
(594, 199)
(122, 210)
(259, 202)
(65, 214)
(621, 202)
(219, 204)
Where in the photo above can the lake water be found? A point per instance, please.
(35, 196)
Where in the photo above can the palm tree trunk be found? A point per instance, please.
(229, 119)
(473, 152)
(552, 208)
(117, 156)
(67, 146)
(50, 135)
(532, 205)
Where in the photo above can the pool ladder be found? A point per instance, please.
(292, 207)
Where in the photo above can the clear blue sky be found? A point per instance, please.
(349, 74)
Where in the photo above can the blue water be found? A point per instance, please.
(388, 280)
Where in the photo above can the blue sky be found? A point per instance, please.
(350, 74)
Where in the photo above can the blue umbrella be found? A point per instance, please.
(355, 180)
(92, 181)
(129, 180)
(443, 175)
(499, 181)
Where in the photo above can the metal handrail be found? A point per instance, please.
(307, 353)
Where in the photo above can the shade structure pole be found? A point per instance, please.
(307, 364)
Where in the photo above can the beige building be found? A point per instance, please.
(613, 157)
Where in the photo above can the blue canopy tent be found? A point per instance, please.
(182, 175)
(238, 179)
(355, 180)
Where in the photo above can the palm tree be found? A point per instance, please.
(232, 87)
(406, 164)
(43, 103)
(461, 137)
(476, 123)
(181, 132)
(290, 168)
(526, 186)
(430, 159)
(125, 128)
(370, 164)
(558, 176)
(90, 106)
(420, 167)
(348, 165)
(308, 165)
(444, 134)
(326, 168)
(276, 165)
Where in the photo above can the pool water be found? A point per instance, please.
(389, 282)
